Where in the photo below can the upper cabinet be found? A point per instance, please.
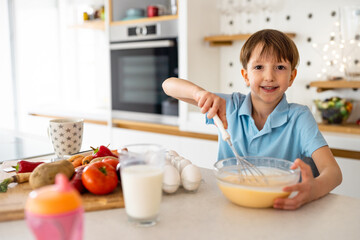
(139, 11)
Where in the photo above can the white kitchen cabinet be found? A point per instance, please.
(351, 178)
(197, 61)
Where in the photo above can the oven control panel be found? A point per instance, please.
(142, 30)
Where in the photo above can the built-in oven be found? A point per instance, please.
(142, 57)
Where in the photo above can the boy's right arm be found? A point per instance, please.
(191, 93)
(181, 89)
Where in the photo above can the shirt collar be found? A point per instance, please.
(280, 114)
(246, 107)
(277, 118)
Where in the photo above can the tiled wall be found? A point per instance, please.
(312, 21)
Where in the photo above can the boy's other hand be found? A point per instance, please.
(212, 104)
(305, 189)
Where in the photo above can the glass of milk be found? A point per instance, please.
(141, 179)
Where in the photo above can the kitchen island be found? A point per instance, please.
(207, 214)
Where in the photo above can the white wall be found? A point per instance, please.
(55, 63)
(7, 119)
(319, 28)
(226, 68)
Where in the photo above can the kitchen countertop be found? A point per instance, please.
(92, 115)
(206, 214)
(346, 147)
(21, 146)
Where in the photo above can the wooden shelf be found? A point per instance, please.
(227, 40)
(334, 84)
(350, 128)
(91, 24)
(144, 20)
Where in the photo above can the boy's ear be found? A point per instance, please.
(245, 75)
(292, 77)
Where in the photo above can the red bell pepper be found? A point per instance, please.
(23, 166)
(102, 151)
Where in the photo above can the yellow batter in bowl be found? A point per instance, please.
(251, 193)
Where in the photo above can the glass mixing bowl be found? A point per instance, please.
(255, 191)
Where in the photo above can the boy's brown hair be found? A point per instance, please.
(273, 42)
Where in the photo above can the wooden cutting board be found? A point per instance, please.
(12, 203)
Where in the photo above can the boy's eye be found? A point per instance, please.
(281, 67)
(258, 67)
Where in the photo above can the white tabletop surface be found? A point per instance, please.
(206, 214)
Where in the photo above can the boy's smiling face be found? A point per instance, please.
(267, 77)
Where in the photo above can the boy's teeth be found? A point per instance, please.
(269, 88)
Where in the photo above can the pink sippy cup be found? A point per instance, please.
(55, 211)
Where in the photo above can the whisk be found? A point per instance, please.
(248, 172)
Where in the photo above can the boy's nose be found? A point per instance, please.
(269, 75)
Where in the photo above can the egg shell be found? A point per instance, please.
(171, 179)
(171, 153)
(182, 163)
(176, 160)
(191, 177)
(167, 162)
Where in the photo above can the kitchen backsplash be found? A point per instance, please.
(313, 22)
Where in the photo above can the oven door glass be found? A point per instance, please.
(137, 74)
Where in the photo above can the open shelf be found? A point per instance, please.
(334, 84)
(350, 128)
(321, 86)
(227, 40)
(136, 21)
(91, 24)
(144, 20)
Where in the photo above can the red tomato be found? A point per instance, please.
(100, 178)
(111, 161)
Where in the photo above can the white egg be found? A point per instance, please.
(182, 163)
(176, 160)
(171, 179)
(191, 177)
(170, 154)
(167, 162)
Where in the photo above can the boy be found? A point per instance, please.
(263, 123)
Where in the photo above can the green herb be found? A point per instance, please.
(4, 185)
